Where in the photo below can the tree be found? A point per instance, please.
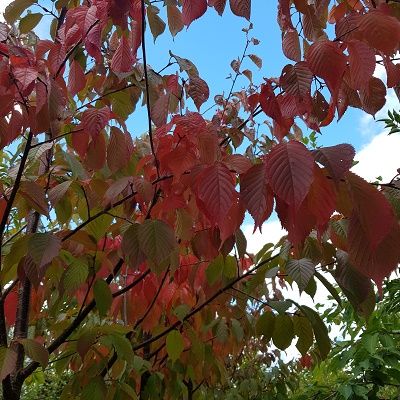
(122, 259)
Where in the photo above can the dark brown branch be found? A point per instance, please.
(15, 188)
(146, 81)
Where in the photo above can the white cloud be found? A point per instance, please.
(379, 157)
(3, 5)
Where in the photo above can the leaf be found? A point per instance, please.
(157, 25)
(237, 330)
(102, 295)
(94, 120)
(357, 288)
(215, 269)
(43, 248)
(58, 192)
(304, 331)
(192, 10)
(25, 75)
(75, 275)
(219, 5)
(380, 30)
(301, 271)
(256, 194)
(256, 60)
(362, 63)
(157, 240)
(124, 57)
(320, 331)
(174, 344)
(241, 8)
(291, 45)
(374, 263)
(76, 78)
(337, 159)
(373, 96)
(29, 22)
(296, 79)
(36, 351)
(216, 190)
(14, 10)
(265, 325)
(373, 210)
(290, 172)
(327, 61)
(331, 289)
(198, 91)
(9, 358)
(221, 331)
(175, 23)
(283, 331)
(117, 150)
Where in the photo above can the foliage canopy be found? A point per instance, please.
(122, 259)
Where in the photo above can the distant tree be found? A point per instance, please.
(122, 259)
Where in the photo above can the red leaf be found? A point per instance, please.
(76, 78)
(327, 61)
(362, 63)
(373, 96)
(123, 58)
(198, 91)
(159, 110)
(95, 119)
(25, 75)
(321, 198)
(291, 45)
(296, 79)
(216, 190)
(372, 208)
(192, 10)
(241, 8)
(96, 153)
(381, 31)
(392, 73)
(117, 150)
(10, 307)
(290, 171)
(337, 159)
(375, 264)
(80, 142)
(219, 5)
(256, 194)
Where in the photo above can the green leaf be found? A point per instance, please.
(221, 331)
(123, 347)
(157, 240)
(329, 287)
(301, 271)
(129, 390)
(230, 267)
(304, 331)
(14, 10)
(75, 275)
(95, 389)
(130, 246)
(237, 330)
(29, 22)
(103, 296)
(43, 247)
(174, 343)
(241, 243)
(283, 332)
(36, 352)
(99, 226)
(265, 325)
(320, 331)
(214, 269)
(370, 342)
